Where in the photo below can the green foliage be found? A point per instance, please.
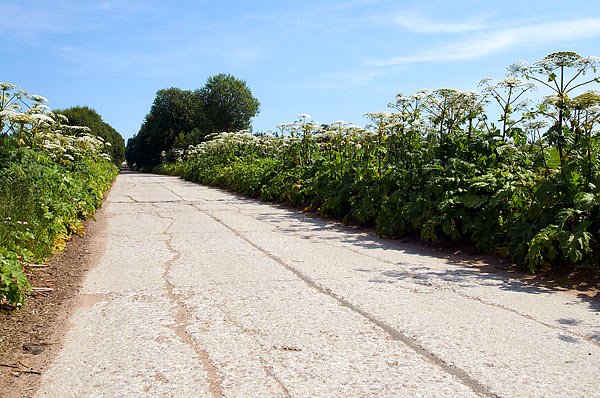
(51, 176)
(227, 104)
(84, 116)
(13, 282)
(437, 169)
(42, 204)
(179, 118)
(193, 137)
(174, 112)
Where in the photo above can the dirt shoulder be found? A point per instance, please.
(31, 337)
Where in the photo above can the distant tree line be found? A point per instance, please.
(85, 116)
(179, 118)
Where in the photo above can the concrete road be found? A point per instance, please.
(203, 293)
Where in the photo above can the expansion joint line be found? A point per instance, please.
(183, 315)
(414, 277)
(460, 374)
(395, 334)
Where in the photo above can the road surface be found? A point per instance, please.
(204, 293)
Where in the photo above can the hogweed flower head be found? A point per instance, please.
(22, 118)
(62, 117)
(7, 86)
(38, 98)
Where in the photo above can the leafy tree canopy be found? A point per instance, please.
(227, 103)
(179, 118)
(85, 116)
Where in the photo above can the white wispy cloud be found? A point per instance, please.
(485, 43)
(107, 5)
(19, 19)
(346, 79)
(418, 24)
(156, 62)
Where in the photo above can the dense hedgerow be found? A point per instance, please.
(51, 177)
(85, 116)
(436, 166)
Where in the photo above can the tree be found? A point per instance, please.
(85, 116)
(174, 112)
(179, 118)
(227, 104)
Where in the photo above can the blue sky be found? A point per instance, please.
(331, 59)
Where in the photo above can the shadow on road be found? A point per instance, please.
(465, 267)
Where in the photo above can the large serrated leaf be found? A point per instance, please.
(584, 201)
(472, 201)
(563, 216)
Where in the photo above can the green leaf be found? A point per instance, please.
(584, 201)
(472, 201)
(563, 216)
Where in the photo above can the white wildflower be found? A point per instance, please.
(61, 117)
(517, 68)
(6, 113)
(536, 125)
(38, 98)
(485, 80)
(510, 82)
(589, 61)
(353, 127)
(43, 109)
(594, 109)
(379, 115)
(21, 118)
(40, 117)
(552, 99)
(419, 96)
(7, 86)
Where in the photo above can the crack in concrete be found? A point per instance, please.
(263, 361)
(184, 336)
(182, 318)
(437, 285)
(394, 333)
(434, 284)
(477, 387)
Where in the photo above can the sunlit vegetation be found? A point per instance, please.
(52, 175)
(179, 118)
(524, 183)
